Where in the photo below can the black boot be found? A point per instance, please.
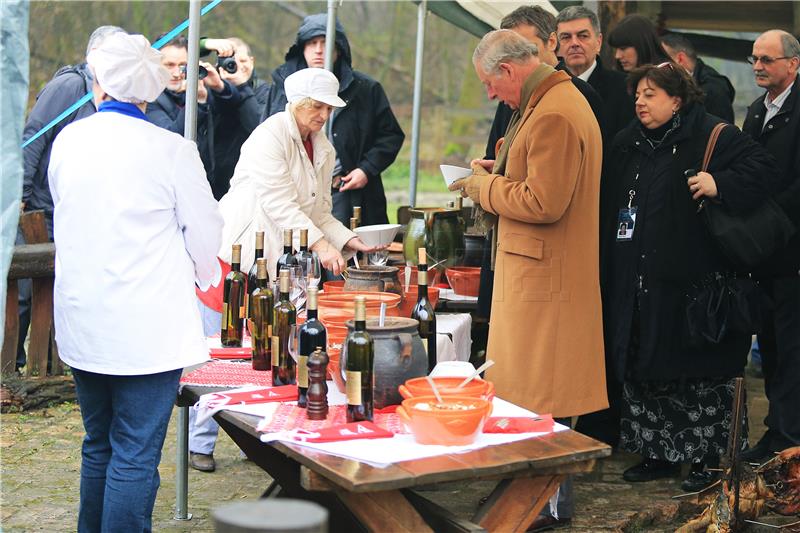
(699, 478)
(651, 469)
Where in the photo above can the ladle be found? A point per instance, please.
(478, 370)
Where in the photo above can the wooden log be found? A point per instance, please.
(33, 227)
(33, 261)
(8, 356)
(41, 326)
(266, 516)
(385, 511)
(515, 504)
(25, 394)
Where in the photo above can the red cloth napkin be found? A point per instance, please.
(213, 296)
(519, 424)
(351, 431)
(231, 353)
(284, 393)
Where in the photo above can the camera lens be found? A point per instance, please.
(202, 72)
(228, 64)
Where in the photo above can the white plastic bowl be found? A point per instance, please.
(378, 234)
(453, 173)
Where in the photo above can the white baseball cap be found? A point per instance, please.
(128, 68)
(315, 83)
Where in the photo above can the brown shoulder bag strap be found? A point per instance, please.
(712, 142)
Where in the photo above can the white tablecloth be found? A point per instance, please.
(454, 339)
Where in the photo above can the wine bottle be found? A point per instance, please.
(284, 313)
(252, 275)
(312, 334)
(233, 291)
(357, 214)
(303, 255)
(423, 313)
(261, 303)
(358, 369)
(287, 259)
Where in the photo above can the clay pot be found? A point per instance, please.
(465, 281)
(336, 285)
(410, 299)
(372, 278)
(440, 231)
(434, 276)
(437, 425)
(477, 388)
(473, 249)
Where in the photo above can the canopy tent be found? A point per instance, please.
(478, 17)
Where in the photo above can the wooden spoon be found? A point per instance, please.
(435, 390)
(480, 369)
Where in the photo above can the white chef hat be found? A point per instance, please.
(128, 68)
(316, 83)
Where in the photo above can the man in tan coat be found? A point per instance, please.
(546, 334)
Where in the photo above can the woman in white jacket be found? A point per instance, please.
(283, 179)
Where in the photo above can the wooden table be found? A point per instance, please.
(364, 498)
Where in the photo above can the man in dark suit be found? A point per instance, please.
(580, 40)
(717, 88)
(774, 121)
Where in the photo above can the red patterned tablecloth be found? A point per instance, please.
(227, 374)
(289, 417)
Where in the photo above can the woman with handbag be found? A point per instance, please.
(659, 264)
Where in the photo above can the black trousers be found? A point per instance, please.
(780, 355)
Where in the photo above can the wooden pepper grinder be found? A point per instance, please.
(317, 406)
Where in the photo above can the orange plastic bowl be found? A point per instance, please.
(338, 308)
(336, 285)
(434, 276)
(410, 299)
(465, 281)
(477, 388)
(446, 427)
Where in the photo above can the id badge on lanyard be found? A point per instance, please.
(626, 219)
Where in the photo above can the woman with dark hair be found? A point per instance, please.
(635, 43)
(656, 252)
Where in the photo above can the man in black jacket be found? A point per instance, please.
(366, 134)
(774, 121)
(215, 97)
(233, 129)
(580, 40)
(719, 93)
(69, 84)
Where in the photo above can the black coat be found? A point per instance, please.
(503, 114)
(670, 249)
(366, 134)
(718, 90)
(781, 138)
(169, 112)
(232, 130)
(69, 84)
(617, 102)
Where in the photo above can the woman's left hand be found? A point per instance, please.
(357, 245)
(702, 184)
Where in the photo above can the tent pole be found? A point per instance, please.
(330, 48)
(422, 11)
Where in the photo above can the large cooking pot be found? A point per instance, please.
(399, 356)
(439, 231)
(373, 278)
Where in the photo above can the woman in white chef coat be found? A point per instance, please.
(135, 227)
(283, 179)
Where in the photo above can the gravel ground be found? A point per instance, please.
(40, 455)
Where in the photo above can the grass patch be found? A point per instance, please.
(396, 178)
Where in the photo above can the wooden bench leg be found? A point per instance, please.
(41, 326)
(8, 356)
(515, 503)
(384, 511)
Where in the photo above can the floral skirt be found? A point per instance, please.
(678, 421)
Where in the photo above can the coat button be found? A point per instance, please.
(313, 194)
(770, 126)
(335, 134)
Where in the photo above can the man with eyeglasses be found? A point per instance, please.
(774, 121)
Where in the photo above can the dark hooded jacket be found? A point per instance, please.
(68, 85)
(718, 90)
(366, 134)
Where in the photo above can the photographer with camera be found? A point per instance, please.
(215, 97)
(233, 129)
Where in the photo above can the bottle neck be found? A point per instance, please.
(259, 253)
(311, 314)
(262, 283)
(361, 325)
(304, 247)
(235, 266)
(287, 249)
(422, 292)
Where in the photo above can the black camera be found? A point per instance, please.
(202, 72)
(228, 64)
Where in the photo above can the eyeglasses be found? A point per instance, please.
(765, 60)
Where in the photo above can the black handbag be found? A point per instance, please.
(746, 240)
(723, 303)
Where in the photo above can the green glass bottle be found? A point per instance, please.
(252, 274)
(358, 368)
(261, 303)
(284, 313)
(233, 302)
(311, 335)
(423, 313)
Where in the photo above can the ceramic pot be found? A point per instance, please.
(373, 278)
(440, 231)
(399, 356)
(473, 249)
